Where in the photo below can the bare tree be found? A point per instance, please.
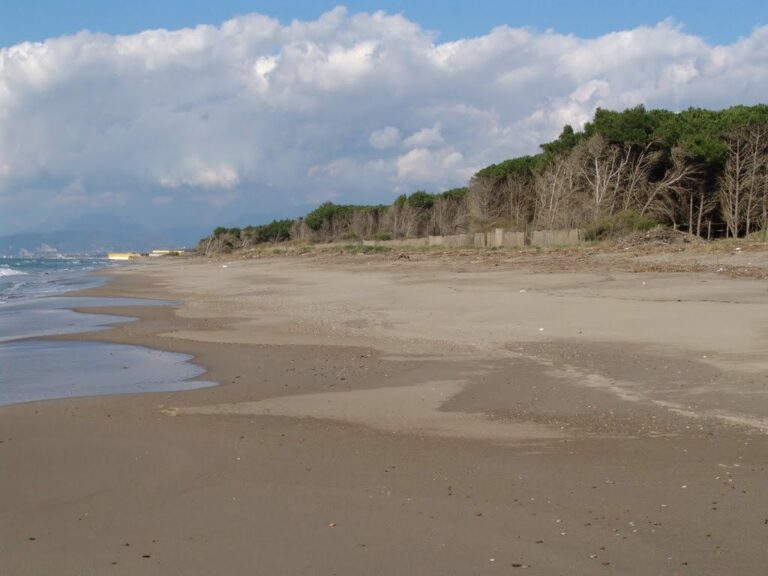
(764, 202)
(603, 168)
(300, 231)
(678, 196)
(637, 187)
(364, 222)
(401, 222)
(731, 184)
(671, 197)
(757, 149)
(556, 194)
(741, 184)
(520, 195)
(448, 216)
(483, 204)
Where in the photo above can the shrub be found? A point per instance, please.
(326, 212)
(363, 249)
(619, 225)
(275, 231)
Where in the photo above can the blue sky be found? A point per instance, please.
(716, 21)
(252, 117)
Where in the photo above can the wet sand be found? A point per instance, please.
(424, 416)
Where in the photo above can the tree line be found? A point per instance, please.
(700, 171)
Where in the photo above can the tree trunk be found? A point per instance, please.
(701, 213)
(690, 214)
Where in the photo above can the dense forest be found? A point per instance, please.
(701, 171)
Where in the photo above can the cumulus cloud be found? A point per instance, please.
(425, 137)
(386, 137)
(424, 165)
(196, 173)
(255, 117)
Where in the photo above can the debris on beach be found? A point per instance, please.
(659, 237)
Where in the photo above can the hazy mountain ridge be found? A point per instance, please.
(96, 234)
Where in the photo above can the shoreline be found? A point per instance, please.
(454, 437)
(44, 364)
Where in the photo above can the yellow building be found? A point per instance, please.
(123, 255)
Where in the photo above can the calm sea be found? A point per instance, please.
(34, 304)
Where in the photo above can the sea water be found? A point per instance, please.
(34, 304)
(26, 278)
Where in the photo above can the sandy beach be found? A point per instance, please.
(413, 414)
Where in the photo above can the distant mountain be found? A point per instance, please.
(97, 234)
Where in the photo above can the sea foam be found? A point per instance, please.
(8, 271)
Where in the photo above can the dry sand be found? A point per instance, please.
(431, 415)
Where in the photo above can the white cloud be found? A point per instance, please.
(253, 116)
(262, 70)
(384, 138)
(425, 138)
(195, 173)
(424, 165)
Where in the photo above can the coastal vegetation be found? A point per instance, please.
(701, 171)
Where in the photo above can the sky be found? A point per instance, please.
(200, 113)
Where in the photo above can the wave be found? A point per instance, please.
(8, 271)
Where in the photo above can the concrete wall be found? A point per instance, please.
(556, 237)
(513, 239)
(497, 238)
(453, 241)
(402, 243)
(458, 240)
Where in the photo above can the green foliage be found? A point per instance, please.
(564, 143)
(619, 225)
(319, 215)
(231, 231)
(326, 212)
(632, 126)
(701, 132)
(522, 166)
(382, 236)
(421, 200)
(275, 231)
(454, 194)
